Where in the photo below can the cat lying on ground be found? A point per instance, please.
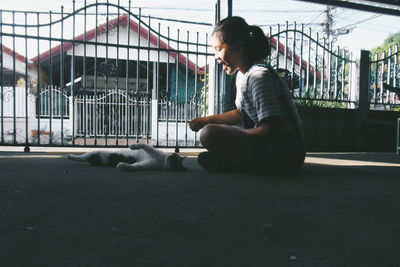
(137, 157)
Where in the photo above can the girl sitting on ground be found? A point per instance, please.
(270, 136)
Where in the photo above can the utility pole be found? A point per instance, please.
(327, 24)
(331, 34)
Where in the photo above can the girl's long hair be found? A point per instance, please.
(234, 30)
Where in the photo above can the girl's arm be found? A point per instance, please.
(231, 117)
(269, 127)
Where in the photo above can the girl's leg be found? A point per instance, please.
(229, 145)
(232, 149)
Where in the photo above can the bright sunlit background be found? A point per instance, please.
(352, 29)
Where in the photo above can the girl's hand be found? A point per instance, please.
(198, 123)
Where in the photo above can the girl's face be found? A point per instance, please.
(225, 55)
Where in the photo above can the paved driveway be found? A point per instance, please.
(341, 210)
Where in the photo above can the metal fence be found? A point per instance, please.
(318, 73)
(52, 102)
(104, 76)
(99, 76)
(112, 114)
(384, 80)
(14, 102)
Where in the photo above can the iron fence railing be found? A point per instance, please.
(113, 114)
(52, 102)
(384, 80)
(182, 112)
(122, 80)
(104, 76)
(14, 103)
(318, 73)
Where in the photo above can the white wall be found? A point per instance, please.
(8, 63)
(123, 52)
(19, 116)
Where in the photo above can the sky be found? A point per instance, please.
(366, 30)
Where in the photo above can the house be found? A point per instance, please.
(279, 48)
(12, 67)
(117, 72)
(117, 54)
(14, 103)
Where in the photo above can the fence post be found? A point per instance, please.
(32, 120)
(212, 88)
(363, 89)
(72, 115)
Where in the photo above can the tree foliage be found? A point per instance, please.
(391, 41)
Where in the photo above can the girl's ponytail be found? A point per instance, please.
(235, 30)
(259, 43)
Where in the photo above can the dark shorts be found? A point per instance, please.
(285, 153)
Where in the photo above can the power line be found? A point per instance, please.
(301, 11)
(361, 21)
(277, 11)
(309, 23)
(284, 24)
(174, 8)
(377, 29)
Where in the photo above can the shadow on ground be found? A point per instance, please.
(55, 212)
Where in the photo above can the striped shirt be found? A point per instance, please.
(265, 94)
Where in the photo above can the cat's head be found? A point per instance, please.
(174, 162)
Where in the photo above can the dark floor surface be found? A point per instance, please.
(342, 211)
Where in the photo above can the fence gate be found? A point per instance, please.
(113, 117)
(101, 75)
(384, 80)
(104, 75)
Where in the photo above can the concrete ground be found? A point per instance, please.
(341, 210)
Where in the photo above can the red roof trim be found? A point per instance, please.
(122, 20)
(12, 53)
(304, 63)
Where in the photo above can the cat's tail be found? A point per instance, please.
(83, 157)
